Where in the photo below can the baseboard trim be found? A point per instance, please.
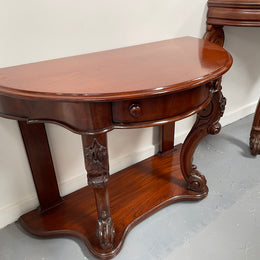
(11, 212)
(233, 116)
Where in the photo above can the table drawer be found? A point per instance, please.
(165, 106)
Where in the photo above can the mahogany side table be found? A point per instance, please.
(140, 86)
(235, 13)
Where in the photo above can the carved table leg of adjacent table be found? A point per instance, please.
(255, 132)
(243, 13)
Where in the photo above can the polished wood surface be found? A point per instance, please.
(140, 86)
(167, 132)
(97, 165)
(235, 13)
(201, 63)
(166, 106)
(132, 72)
(207, 122)
(135, 193)
(40, 160)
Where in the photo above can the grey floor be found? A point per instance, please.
(225, 225)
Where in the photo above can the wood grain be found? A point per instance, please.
(135, 193)
(132, 72)
(40, 160)
(234, 13)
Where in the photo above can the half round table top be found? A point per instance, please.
(132, 72)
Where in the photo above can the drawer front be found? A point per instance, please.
(151, 109)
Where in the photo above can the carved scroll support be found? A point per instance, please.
(97, 166)
(255, 133)
(207, 122)
(215, 34)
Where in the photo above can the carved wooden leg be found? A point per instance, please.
(207, 123)
(255, 132)
(39, 156)
(96, 164)
(215, 34)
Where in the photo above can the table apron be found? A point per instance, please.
(100, 117)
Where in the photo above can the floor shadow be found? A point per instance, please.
(245, 150)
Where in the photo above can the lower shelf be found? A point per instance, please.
(135, 193)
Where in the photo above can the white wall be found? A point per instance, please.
(34, 30)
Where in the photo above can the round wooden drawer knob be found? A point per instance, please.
(135, 110)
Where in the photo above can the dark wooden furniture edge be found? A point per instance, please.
(233, 13)
(254, 140)
(40, 160)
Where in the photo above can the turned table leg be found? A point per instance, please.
(255, 133)
(207, 122)
(97, 166)
(40, 160)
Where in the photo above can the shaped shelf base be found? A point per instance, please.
(135, 194)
